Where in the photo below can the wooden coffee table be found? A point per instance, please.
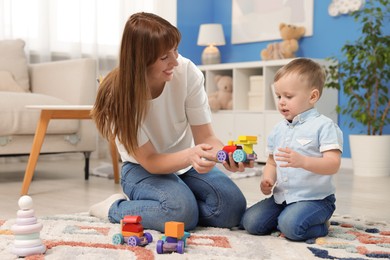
(49, 112)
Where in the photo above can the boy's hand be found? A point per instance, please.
(266, 186)
(290, 158)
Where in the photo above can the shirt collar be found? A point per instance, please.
(301, 118)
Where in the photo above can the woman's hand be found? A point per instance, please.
(201, 159)
(237, 167)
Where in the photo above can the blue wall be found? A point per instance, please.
(329, 35)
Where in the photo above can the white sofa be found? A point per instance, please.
(68, 82)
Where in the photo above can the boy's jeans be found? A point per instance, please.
(297, 221)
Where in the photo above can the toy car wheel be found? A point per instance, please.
(180, 247)
(239, 156)
(160, 247)
(149, 237)
(133, 241)
(222, 155)
(117, 239)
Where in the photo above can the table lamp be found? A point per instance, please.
(211, 35)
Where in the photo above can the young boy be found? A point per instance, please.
(304, 153)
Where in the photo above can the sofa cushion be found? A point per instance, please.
(13, 59)
(16, 119)
(8, 83)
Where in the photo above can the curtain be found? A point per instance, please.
(67, 29)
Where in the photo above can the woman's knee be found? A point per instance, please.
(182, 209)
(235, 202)
(227, 213)
(158, 204)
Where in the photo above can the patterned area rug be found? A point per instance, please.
(80, 236)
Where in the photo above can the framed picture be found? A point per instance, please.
(259, 20)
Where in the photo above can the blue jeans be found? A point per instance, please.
(298, 221)
(210, 199)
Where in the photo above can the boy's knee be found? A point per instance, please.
(292, 230)
(252, 225)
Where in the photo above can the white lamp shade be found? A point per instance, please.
(211, 34)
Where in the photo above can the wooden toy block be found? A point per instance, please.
(133, 228)
(174, 229)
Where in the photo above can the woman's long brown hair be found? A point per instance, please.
(122, 99)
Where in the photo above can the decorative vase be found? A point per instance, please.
(370, 155)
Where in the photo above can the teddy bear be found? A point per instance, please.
(223, 97)
(285, 49)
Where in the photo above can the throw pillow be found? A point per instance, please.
(8, 83)
(13, 60)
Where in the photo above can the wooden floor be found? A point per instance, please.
(59, 187)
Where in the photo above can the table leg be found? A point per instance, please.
(40, 133)
(114, 157)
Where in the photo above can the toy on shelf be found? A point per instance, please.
(26, 230)
(174, 239)
(289, 45)
(222, 98)
(132, 232)
(242, 149)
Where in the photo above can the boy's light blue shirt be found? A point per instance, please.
(309, 134)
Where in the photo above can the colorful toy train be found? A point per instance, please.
(242, 149)
(174, 239)
(132, 233)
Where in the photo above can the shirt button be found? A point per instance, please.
(285, 179)
(286, 191)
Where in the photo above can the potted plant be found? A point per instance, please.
(363, 76)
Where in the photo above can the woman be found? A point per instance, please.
(155, 106)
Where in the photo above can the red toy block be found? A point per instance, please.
(132, 219)
(133, 228)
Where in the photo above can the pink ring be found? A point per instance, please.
(25, 213)
(16, 229)
(26, 221)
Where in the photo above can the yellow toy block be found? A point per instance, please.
(174, 229)
(247, 139)
(247, 142)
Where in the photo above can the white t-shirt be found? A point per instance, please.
(182, 103)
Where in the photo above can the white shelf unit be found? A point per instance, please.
(258, 121)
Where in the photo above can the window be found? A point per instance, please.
(74, 27)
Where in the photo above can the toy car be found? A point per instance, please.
(174, 239)
(132, 233)
(242, 149)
